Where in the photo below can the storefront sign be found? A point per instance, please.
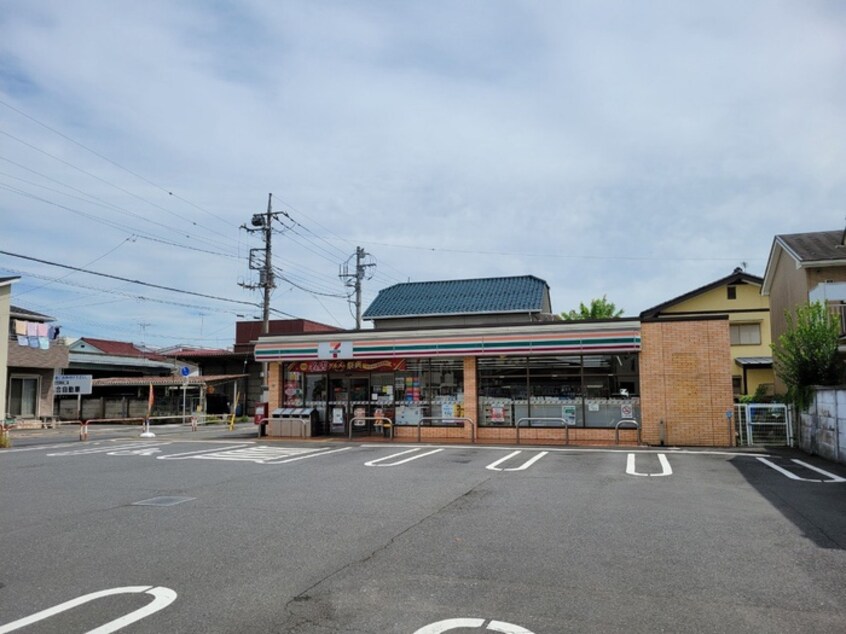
(385, 365)
(335, 350)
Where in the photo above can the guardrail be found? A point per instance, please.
(626, 421)
(384, 420)
(443, 418)
(531, 418)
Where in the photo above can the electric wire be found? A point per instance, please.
(110, 184)
(108, 160)
(125, 279)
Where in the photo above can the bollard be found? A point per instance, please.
(83, 430)
(193, 423)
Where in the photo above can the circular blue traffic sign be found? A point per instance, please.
(186, 370)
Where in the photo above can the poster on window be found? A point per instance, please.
(337, 419)
(497, 414)
(448, 410)
(568, 413)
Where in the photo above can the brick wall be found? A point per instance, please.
(685, 382)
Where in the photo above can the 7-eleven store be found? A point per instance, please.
(547, 381)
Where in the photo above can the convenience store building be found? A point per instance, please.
(485, 360)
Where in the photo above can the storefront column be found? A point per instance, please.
(471, 396)
(274, 381)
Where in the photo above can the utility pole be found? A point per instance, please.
(267, 282)
(353, 279)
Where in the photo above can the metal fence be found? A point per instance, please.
(767, 424)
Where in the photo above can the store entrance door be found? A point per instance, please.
(346, 394)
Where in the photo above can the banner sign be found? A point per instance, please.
(383, 365)
(64, 384)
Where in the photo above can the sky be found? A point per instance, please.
(635, 150)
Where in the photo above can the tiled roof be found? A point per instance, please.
(17, 311)
(460, 297)
(196, 353)
(119, 348)
(815, 246)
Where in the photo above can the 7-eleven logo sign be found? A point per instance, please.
(335, 350)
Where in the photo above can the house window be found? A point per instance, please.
(23, 396)
(745, 334)
(731, 292)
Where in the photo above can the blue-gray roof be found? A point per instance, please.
(460, 297)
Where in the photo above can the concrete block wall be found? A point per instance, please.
(685, 382)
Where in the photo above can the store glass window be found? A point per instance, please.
(610, 389)
(447, 392)
(577, 390)
(503, 390)
(411, 392)
(555, 386)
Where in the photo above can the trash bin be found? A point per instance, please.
(285, 422)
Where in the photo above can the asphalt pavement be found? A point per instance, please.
(218, 531)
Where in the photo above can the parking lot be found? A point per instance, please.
(229, 534)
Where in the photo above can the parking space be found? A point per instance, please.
(312, 537)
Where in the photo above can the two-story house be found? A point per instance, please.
(802, 268)
(739, 296)
(35, 356)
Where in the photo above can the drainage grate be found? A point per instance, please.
(163, 500)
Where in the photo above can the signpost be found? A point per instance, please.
(185, 372)
(74, 385)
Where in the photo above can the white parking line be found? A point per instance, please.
(188, 454)
(162, 597)
(258, 454)
(666, 469)
(494, 466)
(793, 476)
(92, 450)
(317, 454)
(373, 463)
(448, 625)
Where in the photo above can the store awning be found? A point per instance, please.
(757, 362)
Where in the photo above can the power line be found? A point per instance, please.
(568, 256)
(104, 181)
(125, 279)
(115, 225)
(120, 293)
(108, 160)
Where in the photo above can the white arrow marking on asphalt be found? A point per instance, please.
(373, 463)
(162, 597)
(666, 469)
(793, 476)
(456, 624)
(494, 466)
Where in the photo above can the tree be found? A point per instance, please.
(598, 309)
(806, 354)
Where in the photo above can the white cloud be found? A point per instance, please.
(681, 135)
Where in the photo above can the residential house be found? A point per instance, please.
(5, 298)
(35, 356)
(802, 268)
(739, 296)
